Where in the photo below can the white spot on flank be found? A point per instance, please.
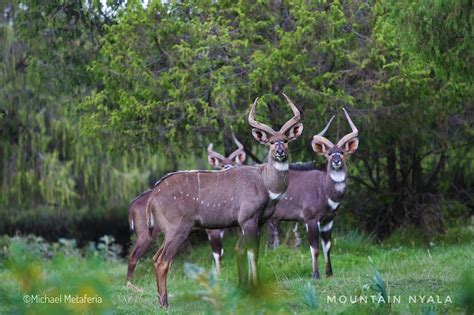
(132, 225)
(281, 166)
(187, 195)
(326, 227)
(202, 202)
(222, 236)
(340, 187)
(231, 198)
(174, 197)
(274, 196)
(167, 183)
(337, 176)
(333, 204)
(326, 247)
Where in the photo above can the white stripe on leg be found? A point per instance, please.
(326, 247)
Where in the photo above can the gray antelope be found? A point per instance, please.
(242, 196)
(144, 236)
(313, 196)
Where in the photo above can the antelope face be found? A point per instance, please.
(226, 163)
(277, 140)
(279, 148)
(220, 162)
(335, 153)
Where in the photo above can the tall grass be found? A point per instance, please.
(30, 266)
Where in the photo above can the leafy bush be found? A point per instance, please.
(82, 285)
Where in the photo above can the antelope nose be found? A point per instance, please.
(280, 152)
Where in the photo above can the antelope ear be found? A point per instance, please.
(351, 146)
(214, 161)
(240, 158)
(295, 132)
(260, 135)
(319, 147)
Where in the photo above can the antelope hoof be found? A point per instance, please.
(329, 273)
(163, 301)
(316, 275)
(133, 287)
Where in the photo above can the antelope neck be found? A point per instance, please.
(335, 184)
(275, 176)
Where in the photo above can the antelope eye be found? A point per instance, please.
(272, 142)
(285, 141)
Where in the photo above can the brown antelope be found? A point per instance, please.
(138, 223)
(242, 196)
(218, 161)
(313, 196)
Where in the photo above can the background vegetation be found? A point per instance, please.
(97, 101)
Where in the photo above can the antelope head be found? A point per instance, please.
(335, 153)
(218, 161)
(277, 140)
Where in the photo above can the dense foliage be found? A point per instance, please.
(96, 102)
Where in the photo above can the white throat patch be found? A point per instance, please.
(279, 166)
(275, 196)
(337, 176)
(333, 204)
(340, 187)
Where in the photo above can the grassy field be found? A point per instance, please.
(404, 267)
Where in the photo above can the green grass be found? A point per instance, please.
(406, 268)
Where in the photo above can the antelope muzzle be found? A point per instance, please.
(336, 161)
(280, 151)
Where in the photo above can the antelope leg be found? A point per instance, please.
(138, 251)
(313, 237)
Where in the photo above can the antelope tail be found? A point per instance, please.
(149, 218)
(131, 222)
